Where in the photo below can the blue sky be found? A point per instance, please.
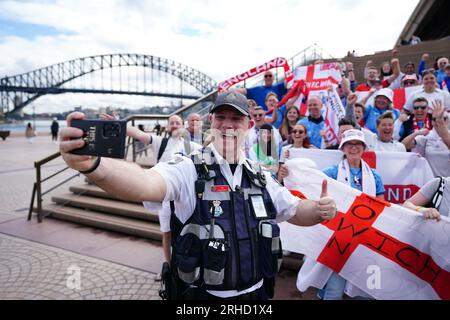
(221, 38)
(27, 30)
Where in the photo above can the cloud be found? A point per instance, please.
(220, 38)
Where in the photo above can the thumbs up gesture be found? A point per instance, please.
(326, 206)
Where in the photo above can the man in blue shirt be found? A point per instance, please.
(259, 93)
(383, 102)
(440, 73)
(314, 123)
(446, 82)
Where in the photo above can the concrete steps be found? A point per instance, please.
(99, 220)
(406, 54)
(107, 206)
(93, 191)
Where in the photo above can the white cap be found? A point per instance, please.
(388, 93)
(351, 135)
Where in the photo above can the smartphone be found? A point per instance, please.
(103, 138)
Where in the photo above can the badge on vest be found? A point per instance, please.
(220, 188)
(258, 207)
(216, 209)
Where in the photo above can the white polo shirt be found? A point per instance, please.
(375, 144)
(438, 94)
(174, 146)
(435, 151)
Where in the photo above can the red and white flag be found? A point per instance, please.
(272, 64)
(383, 250)
(402, 173)
(400, 96)
(318, 79)
(321, 80)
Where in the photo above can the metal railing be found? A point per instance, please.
(37, 187)
(200, 106)
(306, 56)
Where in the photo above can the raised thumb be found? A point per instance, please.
(324, 192)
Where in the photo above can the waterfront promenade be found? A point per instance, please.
(43, 260)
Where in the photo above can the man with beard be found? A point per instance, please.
(166, 148)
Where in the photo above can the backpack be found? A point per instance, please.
(436, 199)
(162, 148)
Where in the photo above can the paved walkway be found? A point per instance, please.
(29, 270)
(33, 271)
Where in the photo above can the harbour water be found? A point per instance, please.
(43, 126)
(40, 125)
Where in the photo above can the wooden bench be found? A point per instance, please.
(4, 134)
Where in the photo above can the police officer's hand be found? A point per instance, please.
(70, 140)
(326, 205)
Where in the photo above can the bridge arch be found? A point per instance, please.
(20, 90)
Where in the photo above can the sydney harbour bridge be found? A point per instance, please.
(118, 74)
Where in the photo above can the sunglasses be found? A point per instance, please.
(420, 107)
(298, 131)
(258, 115)
(409, 83)
(445, 119)
(268, 76)
(355, 144)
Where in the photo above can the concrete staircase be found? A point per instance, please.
(89, 205)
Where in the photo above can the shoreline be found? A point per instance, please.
(22, 134)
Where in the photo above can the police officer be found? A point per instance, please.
(225, 209)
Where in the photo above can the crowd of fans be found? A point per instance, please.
(421, 125)
(372, 123)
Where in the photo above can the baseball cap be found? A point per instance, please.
(351, 135)
(385, 93)
(233, 99)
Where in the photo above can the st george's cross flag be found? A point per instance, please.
(383, 250)
(321, 80)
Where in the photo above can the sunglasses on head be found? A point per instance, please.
(428, 71)
(298, 131)
(420, 107)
